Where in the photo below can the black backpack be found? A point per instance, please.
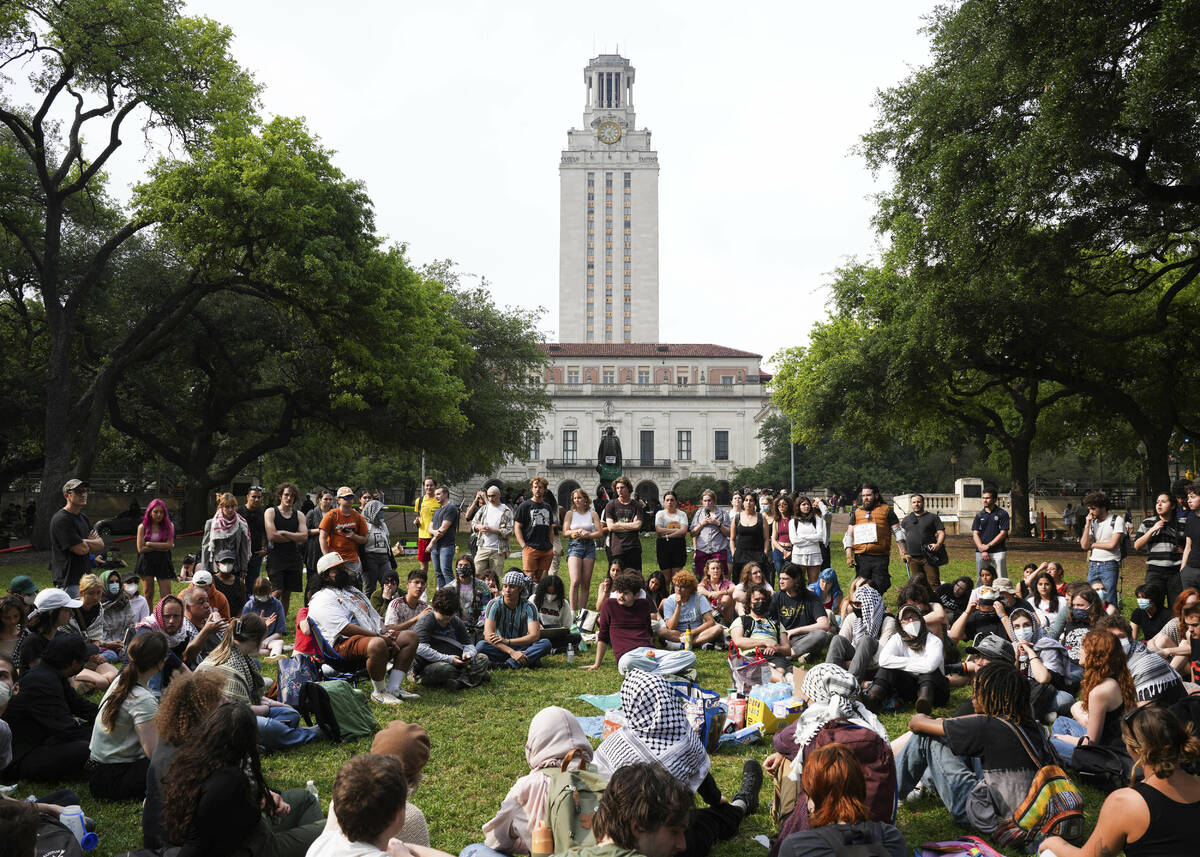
(313, 704)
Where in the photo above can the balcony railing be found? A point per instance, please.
(642, 390)
(590, 464)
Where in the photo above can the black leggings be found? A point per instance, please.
(50, 762)
(905, 684)
(118, 780)
(707, 825)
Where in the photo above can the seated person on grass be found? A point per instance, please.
(404, 611)
(943, 751)
(203, 627)
(756, 632)
(348, 623)
(624, 624)
(270, 609)
(855, 647)
(388, 589)
(511, 631)
(800, 613)
(685, 610)
(644, 811)
(204, 580)
(445, 655)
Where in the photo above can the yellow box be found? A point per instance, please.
(772, 717)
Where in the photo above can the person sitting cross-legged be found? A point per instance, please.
(800, 612)
(624, 625)
(350, 624)
(445, 655)
(688, 610)
(511, 628)
(754, 632)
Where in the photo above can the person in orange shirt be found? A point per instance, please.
(342, 530)
(204, 580)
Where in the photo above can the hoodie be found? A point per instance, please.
(553, 733)
(1052, 653)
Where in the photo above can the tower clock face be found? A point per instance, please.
(609, 132)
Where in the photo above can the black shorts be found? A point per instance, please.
(671, 553)
(286, 579)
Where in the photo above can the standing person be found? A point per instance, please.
(254, 515)
(493, 524)
(1189, 572)
(1102, 534)
(226, 530)
(800, 613)
(582, 526)
(427, 504)
(623, 522)
(924, 535)
(511, 630)
(806, 534)
(1162, 537)
(442, 530)
(710, 532)
(342, 530)
(534, 525)
(671, 525)
(990, 531)
(868, 539)
(286, 532)
(155, 539)
(377, 552)
(781, 532)
(750, 535)
(312, 522)
(72, 539)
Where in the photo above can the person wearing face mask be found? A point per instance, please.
(1150, 616)
(979, 617)
(116, 616)
(263, 603)
(1071, 626)
(1044, 661)
(131, 586)
(1154, 680)
(910, 667)
(856, 646)
(228, 582)
(754, 631)
(23, 587)
(1102, 594)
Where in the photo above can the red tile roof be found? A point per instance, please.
(641, 349)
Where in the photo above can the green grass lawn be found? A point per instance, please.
(478, 739)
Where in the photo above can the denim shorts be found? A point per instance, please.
(582, 548)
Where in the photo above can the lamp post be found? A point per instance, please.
(792, 453)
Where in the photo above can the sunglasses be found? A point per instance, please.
(256, 488)
(1128, 718)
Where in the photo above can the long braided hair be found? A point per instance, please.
(1001, 691)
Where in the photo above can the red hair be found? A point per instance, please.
(1103, 658)
(1177, 607)
(833, 779)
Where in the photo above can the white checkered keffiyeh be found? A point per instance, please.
(656, 730)
(832, 692)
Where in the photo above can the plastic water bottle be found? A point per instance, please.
(311, 788)
(72, 818)
(687, 639)
(570, 653)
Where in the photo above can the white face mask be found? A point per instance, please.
(912, 628)
(226, 568)
(1125, 645)
(1023, 634)
(30, 600)
(131, 589)
(5, 694)
(262, 599)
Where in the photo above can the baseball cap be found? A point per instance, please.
(1002, 585)
(992, 646)
(132, 577)
(23, 584)
(73, 484)
(202, 578)
(52, 599)
(391, 577)
(328, 561)
(345, 491)
(986, 593)
(226, 556)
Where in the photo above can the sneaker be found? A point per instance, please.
(752, 780)
(384, 698)
(406, 694)
(916, 794)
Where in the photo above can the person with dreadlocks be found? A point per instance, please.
(856, 646)
(910, 666)
(656, 730)
(942, 751)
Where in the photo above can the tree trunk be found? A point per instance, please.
(1018, 453)
(59, 434)
(1158, 469)
(196, 498)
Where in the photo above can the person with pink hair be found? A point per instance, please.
(155, 539)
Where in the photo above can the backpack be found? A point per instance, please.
(55, 839)
(1103, 768)
(879, 770)
(1122, 548)
(1053, 806)
(342, 712)
(571, 802)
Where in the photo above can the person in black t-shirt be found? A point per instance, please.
(535, 524)
(954, 597)
(72, 539)
(1150, 616)
(981, 615)
(1189, 573)
(922, 529)
(254, 515)
(799, 612)
(623, 520)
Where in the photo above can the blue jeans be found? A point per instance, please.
(1065, 748)
(1106, 572)
(281, 729)
(534, 652)
(443, 562)
(478, 849)
(925, 756)
(777, 559)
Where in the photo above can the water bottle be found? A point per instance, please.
(72, 818)
(570, 653)
(311, 788)
(687, 639)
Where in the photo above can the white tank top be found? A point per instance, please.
(581, 521)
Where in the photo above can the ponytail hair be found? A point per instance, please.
(1158, 740)
(248, 627)
(145, 652)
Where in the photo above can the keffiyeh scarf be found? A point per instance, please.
(871, 620)
(832, 693)
(656, 730)
(155, 622)
(224, 527)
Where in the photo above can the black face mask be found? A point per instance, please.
(857, 611)
(759, 608)
(341, 579)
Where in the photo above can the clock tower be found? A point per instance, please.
(608, 216)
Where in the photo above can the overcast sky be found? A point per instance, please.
(454, 114)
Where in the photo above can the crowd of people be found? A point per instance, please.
(184, 710)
